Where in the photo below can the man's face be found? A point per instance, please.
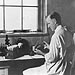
(51, 23)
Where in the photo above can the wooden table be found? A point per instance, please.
(16, 66)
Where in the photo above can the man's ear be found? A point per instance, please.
(54, 21)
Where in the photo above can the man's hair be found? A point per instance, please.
(56, 16)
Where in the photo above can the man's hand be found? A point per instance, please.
(46, 45)
(37, 51)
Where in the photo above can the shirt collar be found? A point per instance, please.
(58, 28)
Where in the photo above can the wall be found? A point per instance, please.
(31, 38)
(66, 8)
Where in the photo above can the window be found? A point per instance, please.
(1, 18)
(12, 22)
(22, 15)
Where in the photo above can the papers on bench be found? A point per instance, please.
(25, 57)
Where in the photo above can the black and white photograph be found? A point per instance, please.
(37, 37)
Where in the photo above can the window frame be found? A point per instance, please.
(42, 13)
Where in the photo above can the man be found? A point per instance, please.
(56, 58)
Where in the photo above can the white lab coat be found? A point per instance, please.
(56, 61)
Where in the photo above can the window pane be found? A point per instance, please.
(30, 18)
(13, 2)
(1, 2)
(12, 18)
(1, 18)
(30, 2)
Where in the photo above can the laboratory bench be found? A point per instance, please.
(18, 65)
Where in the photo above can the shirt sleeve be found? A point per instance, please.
(54, 53)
